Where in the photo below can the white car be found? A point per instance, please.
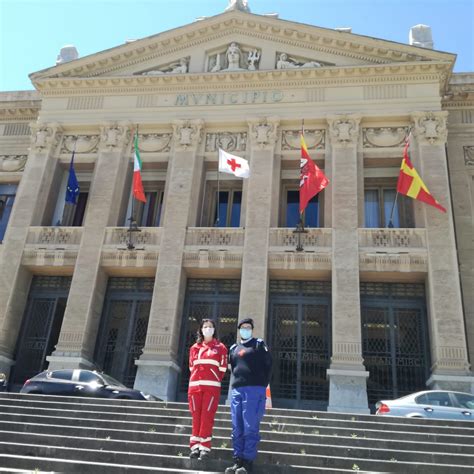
(442, 404)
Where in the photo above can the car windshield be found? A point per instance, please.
(111, 381)
(465, 400)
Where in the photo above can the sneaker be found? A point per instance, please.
(194, 454)
(233, 469)
(204, 456)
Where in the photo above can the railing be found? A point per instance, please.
(392, 238)
(55, 237)
(285, 238)
(214, 237)
(147, 236)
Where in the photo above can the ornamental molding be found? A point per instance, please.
(228, 141)
(45, 137)
(187, 133)
(272, 79)
(154, 142)
(80, 144)
(12, 163)
(384, 137)
(430, 127)
(343, 129)
(314, 138)
(114, 136)
(263, 132)
(469, 155)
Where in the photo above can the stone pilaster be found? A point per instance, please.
(347, 375)
(30, 203)
(78, 335)
(260, 202)
(158, 366)
(450, 367)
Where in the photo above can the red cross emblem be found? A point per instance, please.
(233, 165)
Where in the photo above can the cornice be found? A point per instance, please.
(19, 113)
(370, 74)
(258, 27)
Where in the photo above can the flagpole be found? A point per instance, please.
(132, 228)
(216, 224)
(300, 226)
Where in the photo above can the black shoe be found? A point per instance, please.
(233, 469)
(194, 454)
(246, 468)
(204, 456)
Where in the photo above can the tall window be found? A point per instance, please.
(7, 197)
(222, 209)
(73, 214)
(148, 214)
(379, 200)
(290, 209)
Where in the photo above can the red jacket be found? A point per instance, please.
(208, 364)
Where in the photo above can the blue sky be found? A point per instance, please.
(33, 31)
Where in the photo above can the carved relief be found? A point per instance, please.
(290, 139)
(383, 137)
(44, 136)
(234, 59)
(114, 135)
(154, 142)
(469, 155)
(180, 67)
(283, 61)
(12, 163)
(80, 143)
(187, 133)
(430, 127)
(228, 141)
(263, 132)
(344, 129)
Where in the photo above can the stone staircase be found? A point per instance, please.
(88, 435)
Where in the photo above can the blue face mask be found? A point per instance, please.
(245, 333)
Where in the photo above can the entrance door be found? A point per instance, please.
(299, 339)
(395, 339)
(124, 327)
(208, 299)
(41, 326)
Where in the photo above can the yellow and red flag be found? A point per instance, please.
(410, 184)
(312, 179)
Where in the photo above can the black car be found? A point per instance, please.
(81, 383)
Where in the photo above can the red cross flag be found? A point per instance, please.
(233, 164)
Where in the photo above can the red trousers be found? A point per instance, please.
(203, 407)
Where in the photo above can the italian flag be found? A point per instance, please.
(138, 192)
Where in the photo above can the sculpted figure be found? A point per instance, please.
(253, 58)
(285, 63)
(233, 57)
(176, 68)
(241, 5)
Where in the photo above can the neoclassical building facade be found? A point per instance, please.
(363, 312)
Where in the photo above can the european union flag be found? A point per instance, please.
(72, 189)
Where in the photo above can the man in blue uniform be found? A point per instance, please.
(251, 365)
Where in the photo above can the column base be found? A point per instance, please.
(158, 377)
(64, 361)
(348, 391)
(457, 383)
(5, 365)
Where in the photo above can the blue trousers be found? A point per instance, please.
(247, 409)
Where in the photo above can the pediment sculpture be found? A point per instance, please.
(234, 59)
(285, 62)
(180, 67)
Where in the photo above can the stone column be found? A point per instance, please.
(347, 374)
(450, 366)
(158, 366)
(77, 339)
(30, 202)
(260, 202)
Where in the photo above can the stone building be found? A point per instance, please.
(362, 312)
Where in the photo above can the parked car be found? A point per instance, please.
(81, 383)
(429, 404)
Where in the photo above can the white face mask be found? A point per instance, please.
(245, 333)
(208, 332)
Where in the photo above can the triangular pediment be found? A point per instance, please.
(238, 41)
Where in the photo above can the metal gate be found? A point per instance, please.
(41, 325)
(394, 339)
(300, 341)
(212, 299)
(123, 327)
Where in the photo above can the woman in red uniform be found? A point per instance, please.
(208, 364)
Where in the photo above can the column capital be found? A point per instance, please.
(187, 133)
(45, 136)
(263, 132)
(343, 129)
(430, 127)
(114, 136)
